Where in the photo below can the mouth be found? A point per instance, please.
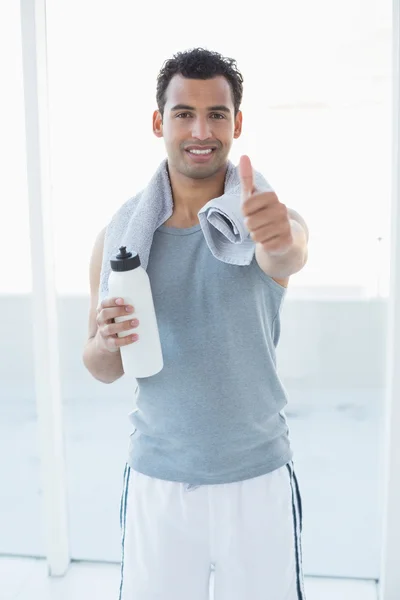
(200, 154)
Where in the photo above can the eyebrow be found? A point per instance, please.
(219, 107)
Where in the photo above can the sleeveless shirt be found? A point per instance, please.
(214, 414)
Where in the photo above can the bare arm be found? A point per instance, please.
(101, 354)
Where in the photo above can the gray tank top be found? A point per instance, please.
(214, 414)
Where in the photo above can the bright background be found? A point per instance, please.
(317, 123)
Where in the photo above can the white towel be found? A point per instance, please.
(221, 220)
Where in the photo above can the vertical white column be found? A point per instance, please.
(44, 314)
(390, 566)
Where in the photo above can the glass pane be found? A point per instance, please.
(317, 124)
(20, 497)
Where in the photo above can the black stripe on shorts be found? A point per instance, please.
(297, 528)
(124, 499)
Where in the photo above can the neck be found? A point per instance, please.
(190, 195)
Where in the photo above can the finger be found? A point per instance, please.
(246, 177)
(107, 314)
(124, 341)
(263, 234)
(264, 201)
(116, 328)
(113, 344)
(259, 220)
(108, 302)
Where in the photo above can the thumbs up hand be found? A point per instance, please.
(266, 217)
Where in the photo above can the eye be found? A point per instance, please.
(180, 115)
(218, 115)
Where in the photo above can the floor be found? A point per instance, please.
(26, 579)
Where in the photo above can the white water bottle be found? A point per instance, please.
(128, 280)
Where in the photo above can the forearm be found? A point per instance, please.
(105, 366)
(289, 263)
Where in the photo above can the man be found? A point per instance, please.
(209, 486)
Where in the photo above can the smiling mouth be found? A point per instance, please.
(198, 152)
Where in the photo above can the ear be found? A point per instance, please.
(238, 125)
(157, 124)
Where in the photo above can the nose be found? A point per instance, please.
(201, 129)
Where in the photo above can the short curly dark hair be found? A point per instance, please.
(199, 63)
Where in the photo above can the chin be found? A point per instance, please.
(202, 171)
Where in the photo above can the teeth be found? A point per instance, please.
(201, 151)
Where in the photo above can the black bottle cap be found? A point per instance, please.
(125, 261)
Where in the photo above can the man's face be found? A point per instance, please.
(198, 115)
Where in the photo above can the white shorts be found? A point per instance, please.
(234, 541)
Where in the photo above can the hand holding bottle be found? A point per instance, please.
(128, 280)
(111, 334)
